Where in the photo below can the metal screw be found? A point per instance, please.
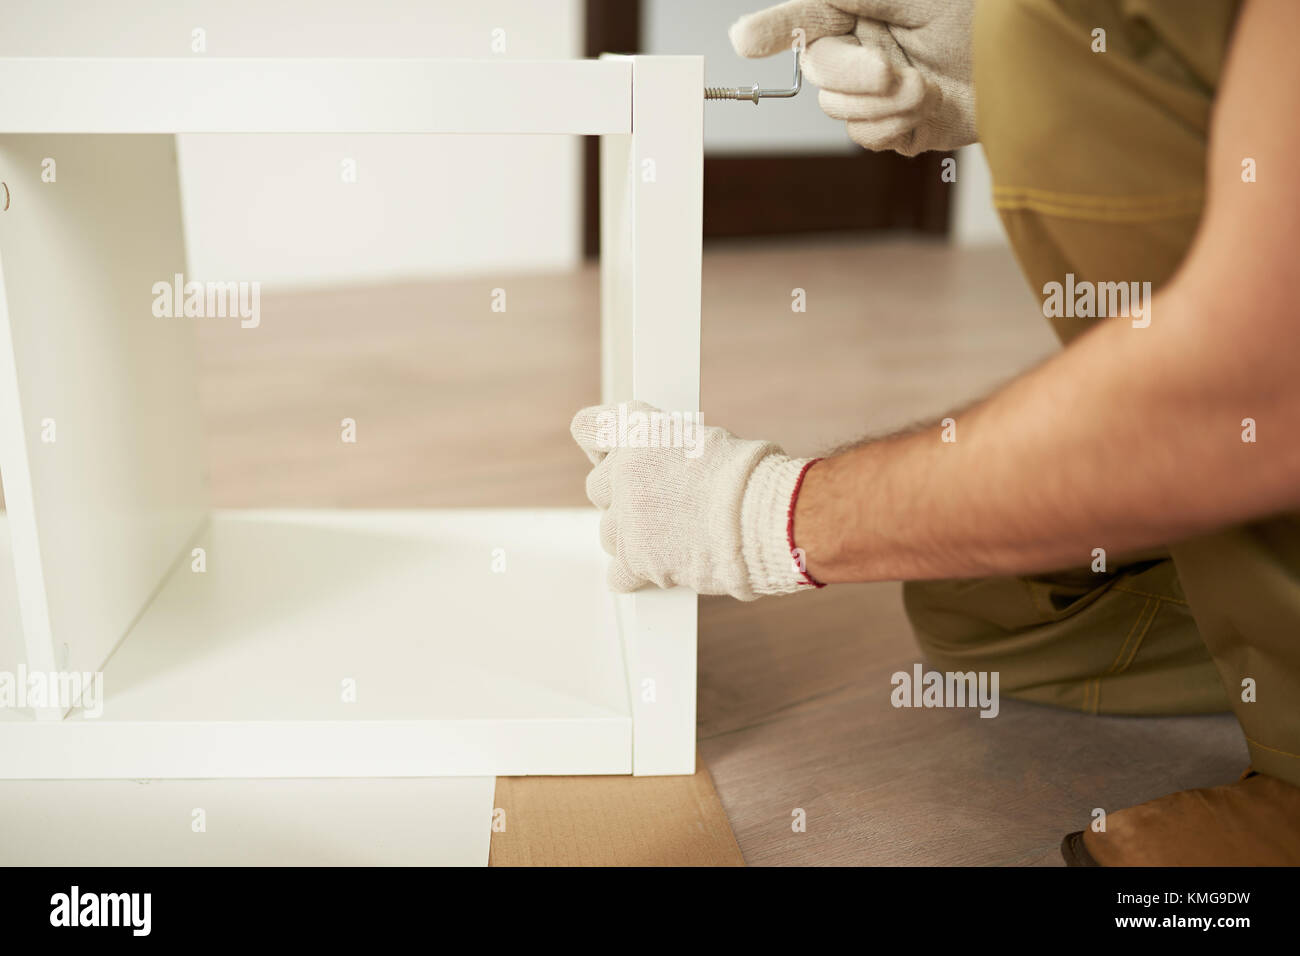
(755, 92)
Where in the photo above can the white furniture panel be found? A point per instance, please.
(361, 643)
(98, 513)
(376, 822)
(12, 650)
(652, 184)
(255, 95)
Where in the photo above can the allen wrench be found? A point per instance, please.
(755, 92)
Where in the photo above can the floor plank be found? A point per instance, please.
(796, 714)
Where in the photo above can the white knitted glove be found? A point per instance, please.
(689, 504)
(897, 71)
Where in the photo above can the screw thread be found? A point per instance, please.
(730, 93)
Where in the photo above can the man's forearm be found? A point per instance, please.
(1129, 439)
(1132, 437)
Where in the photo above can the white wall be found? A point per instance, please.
(275, 208)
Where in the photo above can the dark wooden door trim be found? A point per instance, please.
(776, 194)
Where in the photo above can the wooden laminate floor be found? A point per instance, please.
(457, 405)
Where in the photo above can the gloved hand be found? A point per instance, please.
(897, 71)
(692, 506)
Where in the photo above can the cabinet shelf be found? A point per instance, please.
(360, 643)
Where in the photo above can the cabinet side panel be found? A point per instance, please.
(616, 268)
(652, 201)
(100, 444)
(12, 650)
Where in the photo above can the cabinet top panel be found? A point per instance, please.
(271, 95)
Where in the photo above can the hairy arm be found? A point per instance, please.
(1131, 437)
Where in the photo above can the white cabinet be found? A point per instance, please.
(314, 643)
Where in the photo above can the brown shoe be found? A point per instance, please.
(1253, 822)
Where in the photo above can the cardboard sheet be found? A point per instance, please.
(612, 821)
